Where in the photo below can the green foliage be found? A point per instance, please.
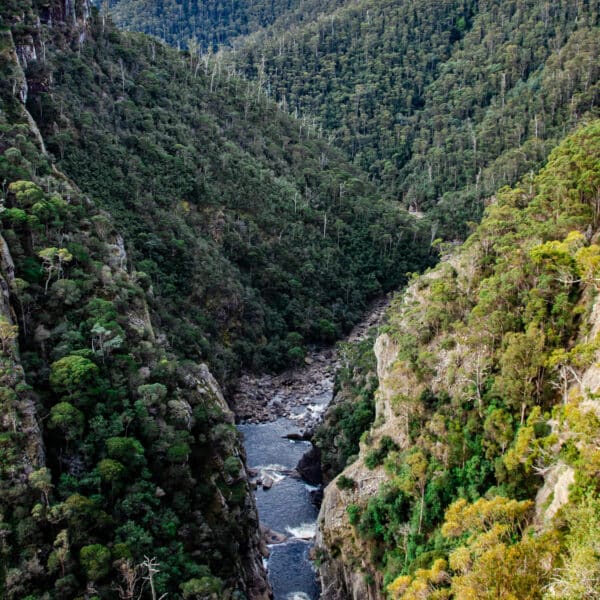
(205, 588)
(442, 104)
(95, 560)
(68, 419)
(127, 450)
(113, 446)
(353, 513)
(376, 457)
(294, 240)
(206, 25)
(352, 410)
(248, 236)
(579, 577)
(110, 470)
(73, 374)
(345, 483)
(513, 352)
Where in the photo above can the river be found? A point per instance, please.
(285, 508)
(270, 408)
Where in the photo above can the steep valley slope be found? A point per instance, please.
(165, 224)
(119, 458)
(441, 103)
(256, 236)
(479, 476)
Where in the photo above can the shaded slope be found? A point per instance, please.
(211, 24)
(119, 459)
(256, 236)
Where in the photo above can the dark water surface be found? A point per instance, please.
(285, 508)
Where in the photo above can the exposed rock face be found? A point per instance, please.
(346, 570)
(309, 466)
(555, 491)
(20, 415)
(253, 577)
(345, 566)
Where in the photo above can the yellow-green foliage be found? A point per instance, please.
(500, 399)
(498, 557)
(579, 574)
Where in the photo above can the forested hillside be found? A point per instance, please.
(120, 467)
(479, 477)
(255, 236)
(211, 24)
(442, 102)
(163, 219)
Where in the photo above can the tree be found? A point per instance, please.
(204, 588)
(26, 193)
(499, 558)
(68, 419)
(127, 450)
(151, 565)
(72, 373)
(42, 480)
(8, 334)
(61, 553)
(499, 432)
(521, 367)
(95, 560)
(413, 478)
(54, 260)
(110, 470)
(426, 583)
(106, 340)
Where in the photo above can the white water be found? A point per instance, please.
(306, 531)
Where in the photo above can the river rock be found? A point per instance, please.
(309, 466)
(272, 537)
(316, 496)
(299, 436)
(267, 483)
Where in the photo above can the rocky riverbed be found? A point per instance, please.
(300, 394)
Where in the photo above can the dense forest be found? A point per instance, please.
(213, 24)
(156, 215)
(484, 442)
(441, 103)
(121, 469)
(191, 163)
(170, 219)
